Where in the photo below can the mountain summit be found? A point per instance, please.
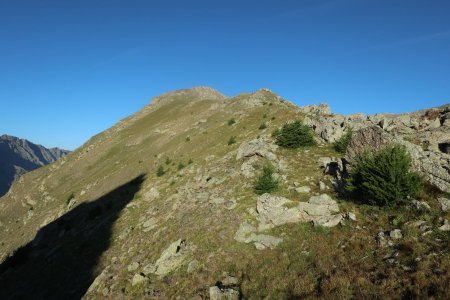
(197, 196)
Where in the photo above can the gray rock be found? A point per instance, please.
(138, 279)
(256, 147)
(420, 205)
(247, 234)
(445, 226)
(328, 221)
(247, 167)
(171, 259)
(445, 204)
(193, 266)
(215, 293)
(263, 241)
(133, 266)
(322, 186)
(272, 211)
(325, 204)
(324, 161)
(416, 224)
(151, 194)
(350, 216)
(303, 190)
(396, 234)
(321, 109)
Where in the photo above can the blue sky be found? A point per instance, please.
(70, 69)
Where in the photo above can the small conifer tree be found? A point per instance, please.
(265, 183)
(384, 178)
(294, 135)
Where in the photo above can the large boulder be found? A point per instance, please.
(257, 147)
(367, 139)
(273, 211)
(171, 259)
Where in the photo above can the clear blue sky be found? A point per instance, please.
(70, 69)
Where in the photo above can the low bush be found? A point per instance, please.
(231, 121)
(262, 126)
(384, 178)
(341, 144)
(294, 135)
(180, 166)
(232, 140)
(160, 171)
(265, 183)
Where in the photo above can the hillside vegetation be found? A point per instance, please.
(192, 198)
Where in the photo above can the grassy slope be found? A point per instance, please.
(342, 262)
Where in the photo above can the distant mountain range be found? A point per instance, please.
(18, 156)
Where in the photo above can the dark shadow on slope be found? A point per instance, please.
(60, 262)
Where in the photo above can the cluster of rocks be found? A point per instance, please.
(425, 134)
(272, 211)
(226, 289)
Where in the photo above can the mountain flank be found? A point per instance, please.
(18, 156)
(204, 196)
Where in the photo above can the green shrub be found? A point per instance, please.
(341, 144)
(231, 121)
(232, 140)
(160, 171)
(168, 161)
(180, 166)
(262, 126)
(276, 132)
(188, 139)
(384, 178)
(190, 161)
(294, 135)
(265, 183)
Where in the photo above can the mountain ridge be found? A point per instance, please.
(197, 230)
(18, 156)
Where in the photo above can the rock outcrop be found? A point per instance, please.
(273, 211)
(171, 259)
(433, 166)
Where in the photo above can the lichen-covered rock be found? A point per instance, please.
(445, 204)
(248, 234)
(273, 211)
(256, 147)
(216, 293)
(171, 259)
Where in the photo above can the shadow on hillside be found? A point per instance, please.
(60, 262)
